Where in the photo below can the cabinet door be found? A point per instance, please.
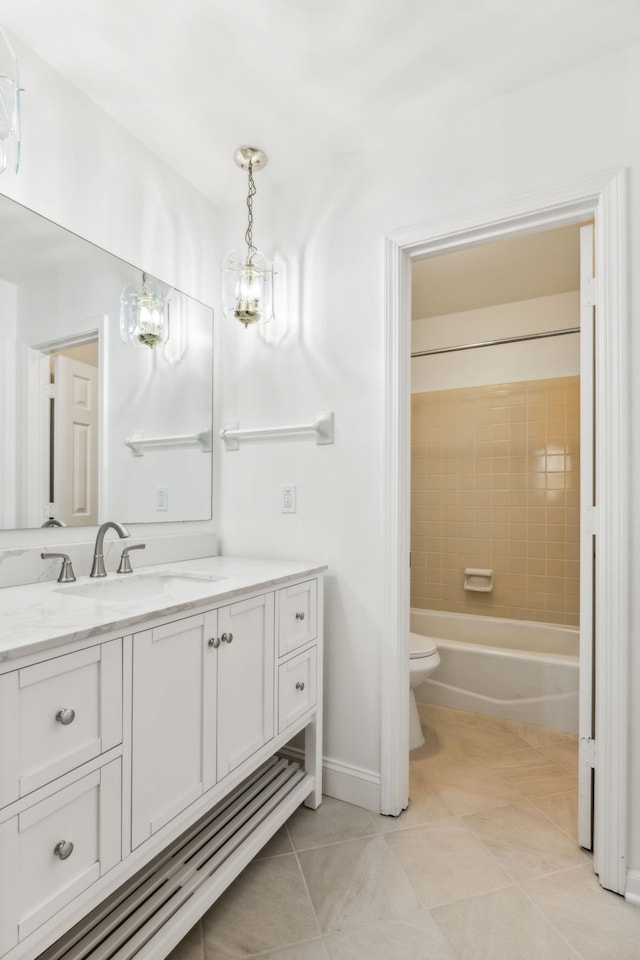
(245, 680)
(174, 723)
(57, 715)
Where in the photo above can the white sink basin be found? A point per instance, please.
(142, 586)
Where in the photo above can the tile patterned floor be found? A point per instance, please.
(484, 865)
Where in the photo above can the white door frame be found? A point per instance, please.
(602, 198)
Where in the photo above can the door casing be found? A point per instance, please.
(602, 198)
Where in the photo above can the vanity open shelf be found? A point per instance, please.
(140, 752)
(150, 913)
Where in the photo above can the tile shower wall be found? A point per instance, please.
(496, 484)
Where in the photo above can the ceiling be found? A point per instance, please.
(303, 80)
(504, 271)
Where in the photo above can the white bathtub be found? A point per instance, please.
(516, 669)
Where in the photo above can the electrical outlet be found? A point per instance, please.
(288, 499)
(162, 498)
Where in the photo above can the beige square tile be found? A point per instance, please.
(425, 803)
(561, 809)
(524, 841)
(278, 845)
(540, 781)
(445, 862)
(190, 947)
(599, 924)
(538, 736)
(355, 883)
(266, 908)
(500, 926)
(412, 937)
(333, 822)
(564, 753)
(470, 786)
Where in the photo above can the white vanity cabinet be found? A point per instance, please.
(202, 704)
(156, 737)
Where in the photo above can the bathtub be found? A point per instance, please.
(515, 669)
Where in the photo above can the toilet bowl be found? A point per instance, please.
(423, 660)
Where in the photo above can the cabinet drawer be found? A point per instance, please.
(54, 850)
(296, 688)
(297, 616)
(57, 715)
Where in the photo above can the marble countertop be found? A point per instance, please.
(37, 616)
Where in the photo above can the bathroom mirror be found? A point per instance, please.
(92, 428)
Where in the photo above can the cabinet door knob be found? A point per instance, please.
(300, 615)
(299, 685)
(63, 849)
(214, 642)
(65, 715)
(226, 637)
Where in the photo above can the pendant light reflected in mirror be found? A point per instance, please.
(144, 313)
(9, 106)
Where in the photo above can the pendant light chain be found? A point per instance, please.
(249, 234)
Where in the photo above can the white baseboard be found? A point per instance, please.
(342, 781)
(632, 887)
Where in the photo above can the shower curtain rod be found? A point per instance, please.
(493, 343)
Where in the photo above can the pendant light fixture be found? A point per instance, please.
(247, 281)
(144, 313)
(9, 105)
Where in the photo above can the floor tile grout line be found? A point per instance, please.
(306, 887)
(539, 910)
(531, 804)
(557, 825)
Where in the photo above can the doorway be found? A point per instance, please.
(495, 482)
(601, 200)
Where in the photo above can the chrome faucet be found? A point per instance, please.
(98, 570)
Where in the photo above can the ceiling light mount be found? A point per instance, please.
(253, 157)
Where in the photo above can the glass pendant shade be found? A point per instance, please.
(247, 288)
(9, 104)
(144, 313)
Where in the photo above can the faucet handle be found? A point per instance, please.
(66, 574)
(125, 563)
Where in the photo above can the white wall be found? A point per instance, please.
(85, 172)
(513, 362)
(331, 222)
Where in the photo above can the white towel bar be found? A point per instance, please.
(322, 428)
(138, 445)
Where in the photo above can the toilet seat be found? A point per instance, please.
(421, 647)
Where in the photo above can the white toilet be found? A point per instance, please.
(423, 660)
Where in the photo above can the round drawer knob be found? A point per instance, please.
(299, 685)
(63, 849)
(299, 615)
(214, 642)
(226, 637)
(65, 716)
